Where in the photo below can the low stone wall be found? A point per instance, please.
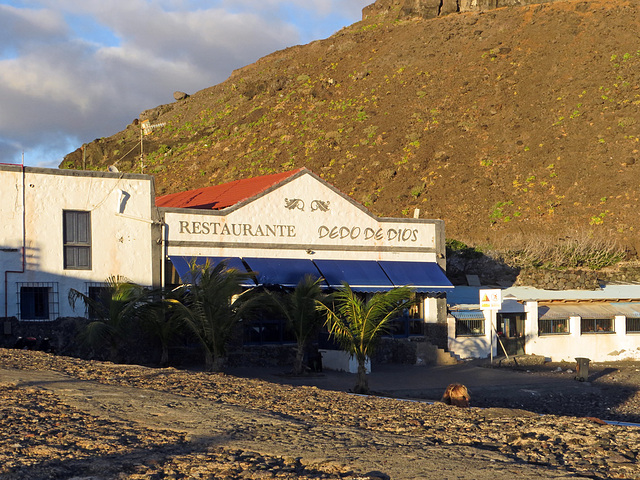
(262, 355)
(559, 279)
(577, 279)
(63, 334)
(63, 339)
(391, 350)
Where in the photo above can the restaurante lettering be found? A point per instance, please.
(237, 229)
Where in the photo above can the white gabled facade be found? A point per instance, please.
(112, 229)
(302, 218)
(306, 218)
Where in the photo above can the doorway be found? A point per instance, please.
(510, 332)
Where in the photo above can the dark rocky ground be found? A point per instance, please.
(63, 417)
(611, 392)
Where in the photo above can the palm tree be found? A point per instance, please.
(114, 313)
(211, 306)
(299, 308)
(357, 324)
(156, 321)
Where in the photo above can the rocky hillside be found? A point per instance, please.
(509, 124)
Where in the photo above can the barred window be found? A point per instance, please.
(596, 325)
(633, 324)
(552, 326)
(37, 301)
(100, 293)
(469, 327)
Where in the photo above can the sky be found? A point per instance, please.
(72, 71)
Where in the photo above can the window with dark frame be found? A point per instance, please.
(408, 323)
(469, 327)
(633, 324)
(34, 303)
(77, 239)
(597, 325)
(264, 330)
(99, 293)
(37, 301)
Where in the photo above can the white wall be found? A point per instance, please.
(470, 347)
(123, 237)
(342, 229)
(341, 361)
(599, 347)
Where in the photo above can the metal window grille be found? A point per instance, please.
(97, 292)
(596, 325)
(552, 326)
(469, 327)
(38, 301)
(633, 324)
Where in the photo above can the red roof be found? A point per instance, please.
(217, 197)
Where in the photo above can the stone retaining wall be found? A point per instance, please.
(63, 333)
(577, 279)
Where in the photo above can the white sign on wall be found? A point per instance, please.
(491, 299)
(303, 212)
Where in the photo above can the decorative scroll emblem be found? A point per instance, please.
(319, 205)
(294, 203)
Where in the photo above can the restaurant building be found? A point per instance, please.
(66, 229)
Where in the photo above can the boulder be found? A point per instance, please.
(180, 96)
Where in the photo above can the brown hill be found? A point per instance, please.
(513, 123)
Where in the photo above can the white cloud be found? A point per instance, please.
(59, 84)
(21, 28)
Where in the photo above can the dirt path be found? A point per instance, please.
(209, 422)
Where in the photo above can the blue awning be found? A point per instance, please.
(286, 272)
(182, 266)
(423, 277)
(361, 275)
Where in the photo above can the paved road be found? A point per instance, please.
(425, 382)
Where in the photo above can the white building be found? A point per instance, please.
(64, 229)
(286, 225)
(602, 325)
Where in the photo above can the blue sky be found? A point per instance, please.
(72, 71)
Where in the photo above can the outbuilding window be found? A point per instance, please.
(597, 325)
(77, 239)
(633, 324)
(469, 323)
(552, 326)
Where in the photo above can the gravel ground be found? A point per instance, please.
(66, 418)
(612, 392)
